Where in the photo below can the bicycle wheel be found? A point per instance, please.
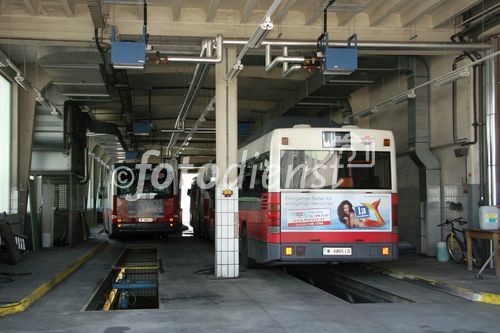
(477, 260)
(455, 248)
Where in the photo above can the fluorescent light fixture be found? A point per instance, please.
(43, 102)
(403, 97)
(234, 71)
(4, 61)
(21, 80)
(260, 34)
(368, 112)
(451, 77)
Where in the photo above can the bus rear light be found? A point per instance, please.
(301, 250)
(115, 202)
(171, 224)
(171, 219)
(274, 222)
(395, 214)
(120, 225)
(387, 142)
(288, 250)
(274, 209)
(386, 250)
(284, 141)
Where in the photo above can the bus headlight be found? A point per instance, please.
(288, 250)
(386, 250)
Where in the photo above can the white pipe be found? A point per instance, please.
(285, 54)
(281, 59)
(372, 45)
(291, 69)
(202, 60)
(270, 65)
(255, 40)
(268, 54)
(491, 130)
(195, 128)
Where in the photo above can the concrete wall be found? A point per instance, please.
(395, 118)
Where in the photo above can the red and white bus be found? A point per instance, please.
(317, 195)
(202, 209)
(155, 208)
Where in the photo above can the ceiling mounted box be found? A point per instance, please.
(128, 55)
(131, 155)
(141, 128)
(339, 60)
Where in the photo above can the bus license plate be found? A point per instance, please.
(145, 219)
(337, 251)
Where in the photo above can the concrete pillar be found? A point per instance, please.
(226, 198)
(26, 122)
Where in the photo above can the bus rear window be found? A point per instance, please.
(149, 189)
(324, 169)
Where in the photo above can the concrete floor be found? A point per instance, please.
(265, 299)
(451, 272)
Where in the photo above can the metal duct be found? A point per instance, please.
(101, 127)
(492, 127)
(428, 164)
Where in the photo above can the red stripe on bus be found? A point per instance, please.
(336, 237)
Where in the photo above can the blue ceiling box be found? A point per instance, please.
(128, 55)
(141, 128)
(340, 60)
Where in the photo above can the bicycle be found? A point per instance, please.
(457, 245)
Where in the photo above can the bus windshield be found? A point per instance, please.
(334, 169)
(149, 190)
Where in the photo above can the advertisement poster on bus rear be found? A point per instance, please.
(336, 212)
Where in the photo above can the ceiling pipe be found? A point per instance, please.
(199, 76)
(291, 69)
(372, 45)
(209, 59)
(27, 85)
(285, 59)
(255, 41)
(209, 108)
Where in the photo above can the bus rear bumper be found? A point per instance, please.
(145, 227)
(337, 252)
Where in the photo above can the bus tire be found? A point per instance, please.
(112, 234)
(245, 260)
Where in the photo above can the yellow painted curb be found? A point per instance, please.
(43, 289)
(445, 287)
(489, 298)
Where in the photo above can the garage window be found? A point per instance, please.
(5, 123)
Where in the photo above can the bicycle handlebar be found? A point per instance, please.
(451, 221)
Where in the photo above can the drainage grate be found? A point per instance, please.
(132, 282)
